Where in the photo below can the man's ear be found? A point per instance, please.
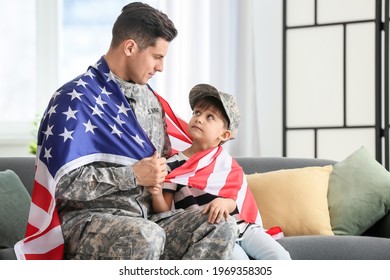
(129, 46)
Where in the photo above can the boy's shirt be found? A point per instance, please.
(216, 173)
(185, 196)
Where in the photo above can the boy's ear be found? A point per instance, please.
(226, 135)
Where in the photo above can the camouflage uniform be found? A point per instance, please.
(105, 215)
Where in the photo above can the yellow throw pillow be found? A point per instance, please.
(294, 199)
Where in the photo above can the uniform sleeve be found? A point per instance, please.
(94, 180)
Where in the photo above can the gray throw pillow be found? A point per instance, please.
(14, 204)
(358, 193)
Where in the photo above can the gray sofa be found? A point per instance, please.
(373, 244)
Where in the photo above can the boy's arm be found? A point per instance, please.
(158, 199)
(168, 197)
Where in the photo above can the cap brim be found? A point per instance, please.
(200, 91)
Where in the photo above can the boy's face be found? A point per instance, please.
(207, 127)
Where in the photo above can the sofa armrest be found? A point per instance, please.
(23, 167)
(381, 228)
(7, 254)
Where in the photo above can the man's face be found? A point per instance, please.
(142, 65)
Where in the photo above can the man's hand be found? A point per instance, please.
(150, 171)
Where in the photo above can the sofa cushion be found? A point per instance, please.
(294, 199)
(359, 193)
(15, 205)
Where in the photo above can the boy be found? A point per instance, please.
(204, 175)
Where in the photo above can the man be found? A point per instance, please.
(103, 142)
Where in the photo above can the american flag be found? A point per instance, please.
(216, 172)
(86, 121)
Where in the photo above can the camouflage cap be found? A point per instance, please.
(228, 102)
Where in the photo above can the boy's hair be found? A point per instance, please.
(142, 23)
(207, 102)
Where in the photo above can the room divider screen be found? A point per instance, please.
(335, 78)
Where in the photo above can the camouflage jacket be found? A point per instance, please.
(111, 188)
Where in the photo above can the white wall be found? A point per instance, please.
(262, 130)
(239, 51)
(270, 79)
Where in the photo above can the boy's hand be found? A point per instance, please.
(217, 210)
(154, 190)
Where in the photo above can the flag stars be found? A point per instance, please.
(74, 94)
(104, 91)
(67, 134)
(138, 140)
(100, 101)
(118, 120)
(47, 154)
(89, 127)
(80, 82)
(52, 110)
(110, 76)
(70, 113)
(96, 65)
(116, 131)
(48, 131)
(123, 109)
(89, 74)
(58, 92)
(96, 111)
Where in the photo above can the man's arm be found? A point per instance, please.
(94, 180)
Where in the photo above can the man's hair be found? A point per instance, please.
(142, 23)
(212, 102)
